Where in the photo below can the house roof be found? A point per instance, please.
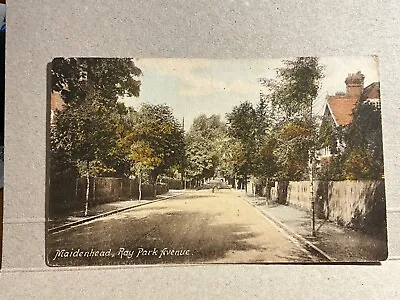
(341, 108)
(57, 102)
(372, 91)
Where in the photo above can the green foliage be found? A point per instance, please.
(331, 169)
(287, 138)
(362, 156)
(265, 160)
(366, 131)
(76, 78)
(143, 157)
(200, 160)
(205, 147)
(87, 135)
(87, 132)
(242, 127)
(359, 164)
(242, 123)
(295, 141)
(330, 136)
(295, 88)
(156, 138)
(364, 146)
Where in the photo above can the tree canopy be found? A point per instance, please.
(205, 147)
(295, 88)
(76, 78)
(156, 127)
(361, 156)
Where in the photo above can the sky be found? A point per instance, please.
(214, 86)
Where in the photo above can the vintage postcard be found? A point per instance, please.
(192, 161)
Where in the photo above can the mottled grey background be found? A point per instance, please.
(37, 31)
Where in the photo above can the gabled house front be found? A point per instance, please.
(339, 110)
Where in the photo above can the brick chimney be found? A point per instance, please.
(354, 84)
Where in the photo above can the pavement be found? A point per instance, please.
(334, 242)
(77, 217)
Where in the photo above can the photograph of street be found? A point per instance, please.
(193, 161)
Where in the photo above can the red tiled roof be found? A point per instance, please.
(341, 108)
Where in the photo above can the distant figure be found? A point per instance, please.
(213, 188)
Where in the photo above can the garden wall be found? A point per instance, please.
(357, 204)
(71, 194)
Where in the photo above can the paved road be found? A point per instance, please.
(197, 227)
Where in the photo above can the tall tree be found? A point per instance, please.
(295, 88)
(291, 96)
(200, 159)
(156, 126)
(205, 147)
(84, 138)
(242, 126)
(84, 134)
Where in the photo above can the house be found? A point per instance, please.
(339, 109)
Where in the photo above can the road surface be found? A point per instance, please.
(196, 227)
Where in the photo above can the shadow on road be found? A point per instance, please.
(196, 233)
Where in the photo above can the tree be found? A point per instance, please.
(143, 161)
(110, 78)
(291, 96)
(363, 153)
(265, 166)
(156, 127)
(360, 155)
(295, 140)
(205, 147)
(359, 164)
(265, 161)
(83, 140)
(85, 134)
(366, 130)
(252, 127)
(242, 126)
(200, 159)
(295, 88)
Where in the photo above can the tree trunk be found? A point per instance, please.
(76, 190)
(130, 188)
(155, 187)
(87, 193)
(140, 186)
(267, 192)
(94, 190)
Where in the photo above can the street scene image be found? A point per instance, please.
(193, 161)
